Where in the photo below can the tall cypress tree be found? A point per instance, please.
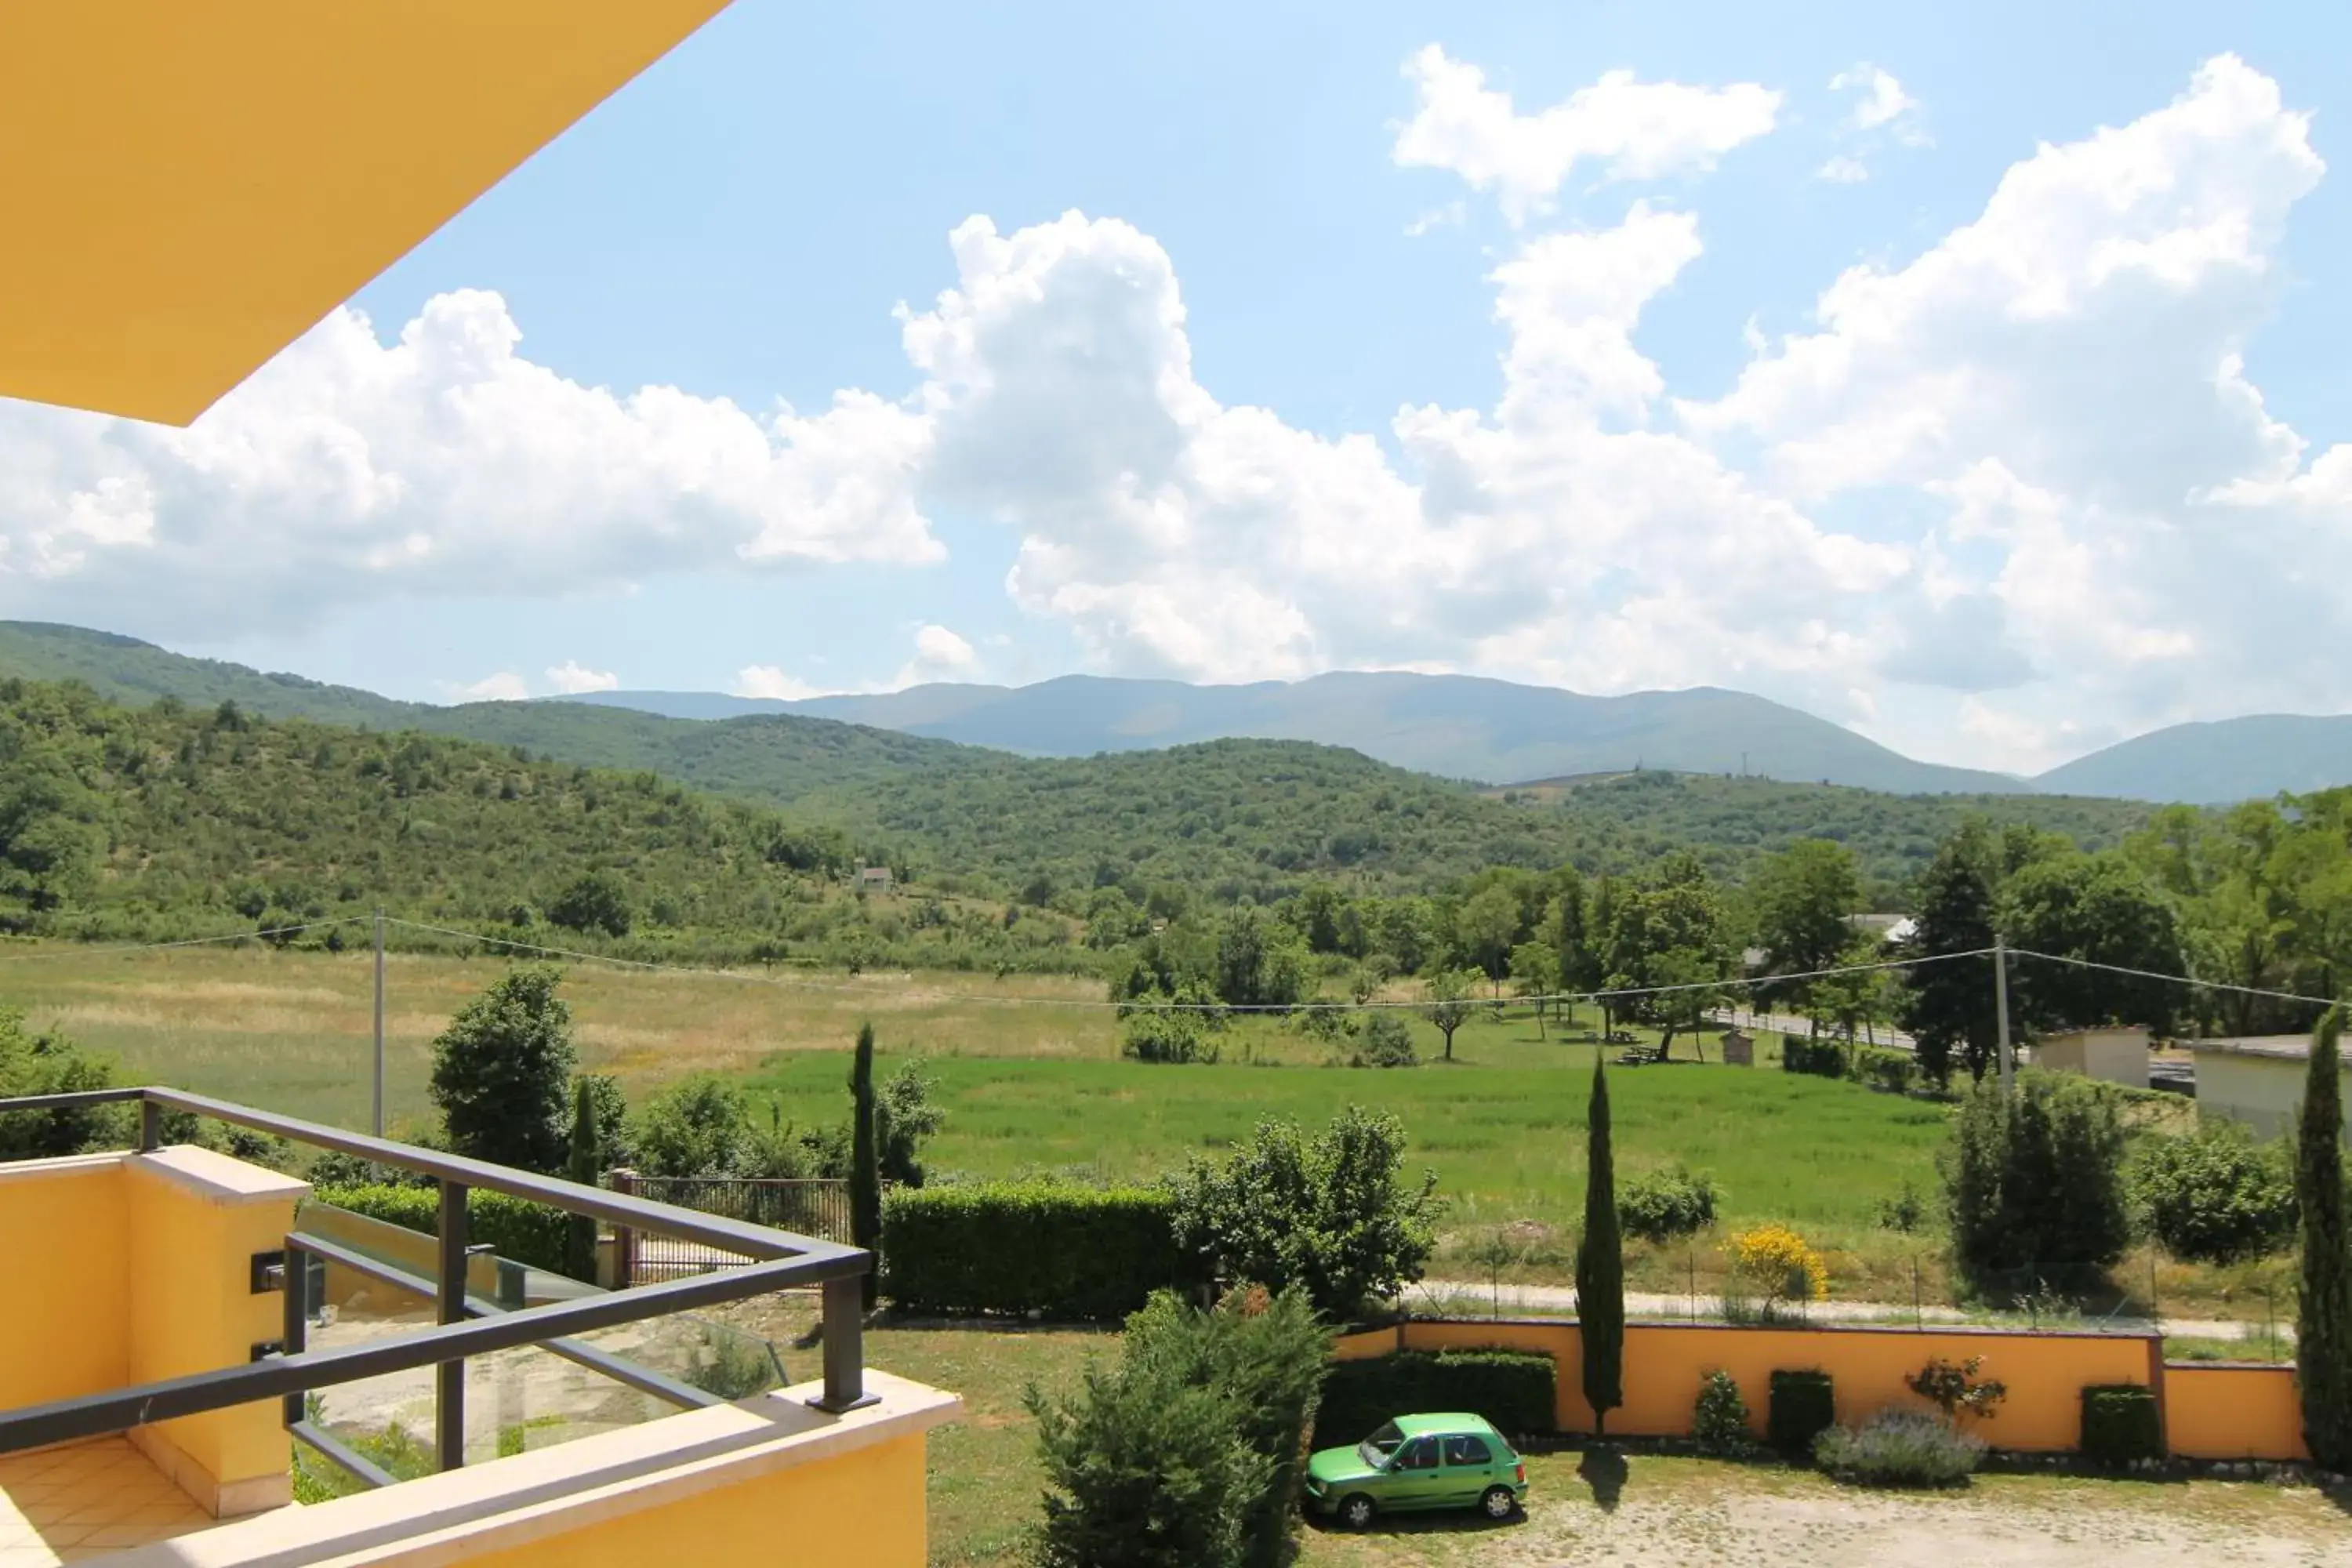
(865, 1158)
(2323, 1344)
(582, 1165)
(1601, 1266)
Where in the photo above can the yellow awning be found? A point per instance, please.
(188, 186)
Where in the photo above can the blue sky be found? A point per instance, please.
(744, 222)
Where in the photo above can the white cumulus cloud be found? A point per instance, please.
(940, 655)
(770, 681)
(441, 462)
(571, 679)
(501, 685)
(1883, 112)
(1632, 129)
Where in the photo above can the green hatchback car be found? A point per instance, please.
(1418, 1462)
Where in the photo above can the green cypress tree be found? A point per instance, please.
(581, 1164)
(1601, 1266)
(2323, 1345)
(864, 1157)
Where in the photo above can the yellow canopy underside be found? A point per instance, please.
(188, 186)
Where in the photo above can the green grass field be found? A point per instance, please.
(1031, 1083)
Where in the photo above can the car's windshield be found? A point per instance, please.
(1375, 1449)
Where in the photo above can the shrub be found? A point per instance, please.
(1899, 1448)
(1719, 1420)
(1804, 1406)
(1780, 1264)
(2214, 1195)
(1517, 1391)
(1954, 1388)
(1893, 1071)
(1814, 1058)
(1332, 1214)
(1187, 1454)
(1663, 1204)
(2121, 1423)
(531, 1234)
(1906, 1212)
(49, 1063)
(1387, 1042)
(1063, 1251)
(1165, 1035)
(699, 1126)
(2037, 1181)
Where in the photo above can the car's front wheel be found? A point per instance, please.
(1355, 1511)
(1498, 1502)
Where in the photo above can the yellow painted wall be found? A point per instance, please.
(63, 1320)
(192, 1308)
(1665, 1361)
(864, 1506)
(2232, 1412)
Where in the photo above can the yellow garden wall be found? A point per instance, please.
(865, 1507)
(64, 1325)
(2215, 1412)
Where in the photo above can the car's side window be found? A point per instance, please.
(1420, 1454)
(1468, 1451)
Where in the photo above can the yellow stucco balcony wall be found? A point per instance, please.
(190, 187)
(129, 1268)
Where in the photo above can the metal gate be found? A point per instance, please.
(812, 1207)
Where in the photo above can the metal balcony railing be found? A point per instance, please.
(468, 1326)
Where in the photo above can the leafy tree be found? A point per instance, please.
(2034, 1182)
(1332, 1214)
(1804, 897)
(2323, 1344)
(1259, 962)
(865, 1158)
(584, 1163)
(1601, 1266)
(1489, 927)
(1948, 1004)
(502, 1071)
(1568, 929)
(50, 842)
(33, 1064)
(1452, 994)
(1536, 967)
(1669, 930)
(2101, 909)
(597, 903)
(699, 1126)
(906, 1115)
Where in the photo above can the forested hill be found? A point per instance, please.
(1731, 821)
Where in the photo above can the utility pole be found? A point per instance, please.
(377, 1123)
(2001, 1013)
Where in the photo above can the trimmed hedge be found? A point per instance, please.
(1093, 1254)
(530, 1233)
(2121, 1423)
(1804, 1406)
(1517, 1391)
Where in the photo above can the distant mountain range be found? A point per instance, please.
(1490, 732)
(1459, 727)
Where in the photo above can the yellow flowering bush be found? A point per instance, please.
(1780, 1264)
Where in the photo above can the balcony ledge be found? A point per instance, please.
(514, 1502)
